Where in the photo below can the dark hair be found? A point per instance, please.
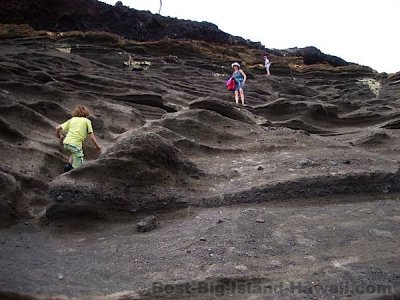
(81, 111)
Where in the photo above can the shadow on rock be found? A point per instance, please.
(223, 108)
(10, 193)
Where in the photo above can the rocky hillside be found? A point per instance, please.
(92, 15)
(176, 90)
(318, 139)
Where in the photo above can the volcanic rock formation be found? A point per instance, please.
(318, 129)
(350, 109)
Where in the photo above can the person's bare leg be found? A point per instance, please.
(242, 96)
(237, 97)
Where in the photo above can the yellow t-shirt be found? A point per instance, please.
(78, 129)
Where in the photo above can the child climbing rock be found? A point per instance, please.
(78, 127)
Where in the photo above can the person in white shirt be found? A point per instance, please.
(267, 64)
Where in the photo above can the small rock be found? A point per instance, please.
(203, 239)
(147, 224)
(60, 276)
(172, 59)
(220, 221)
(241, 268)
(347, 161)
(260, 168)
(303, 163)
(188, 251)
(260, 221)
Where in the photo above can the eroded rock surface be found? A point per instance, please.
(311, 164)
(140, 172)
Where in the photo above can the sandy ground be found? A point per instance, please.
(351, 243)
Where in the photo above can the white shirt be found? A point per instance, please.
(266, 61)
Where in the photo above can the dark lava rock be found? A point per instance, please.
(223, 108)
(91, 15)
(147, 224)
(311, 55)
(140, 172)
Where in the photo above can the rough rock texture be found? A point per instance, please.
(223, 108)
(44, 75)
(312, 55)
(313, 156)
(140, 172)
(9, 195)
(92, 15)
(147, 224)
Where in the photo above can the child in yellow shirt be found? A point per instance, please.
(78, 128)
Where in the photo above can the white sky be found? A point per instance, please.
(359, 31)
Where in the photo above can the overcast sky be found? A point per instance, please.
(360, 31)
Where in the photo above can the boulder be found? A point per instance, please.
(140, 172)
